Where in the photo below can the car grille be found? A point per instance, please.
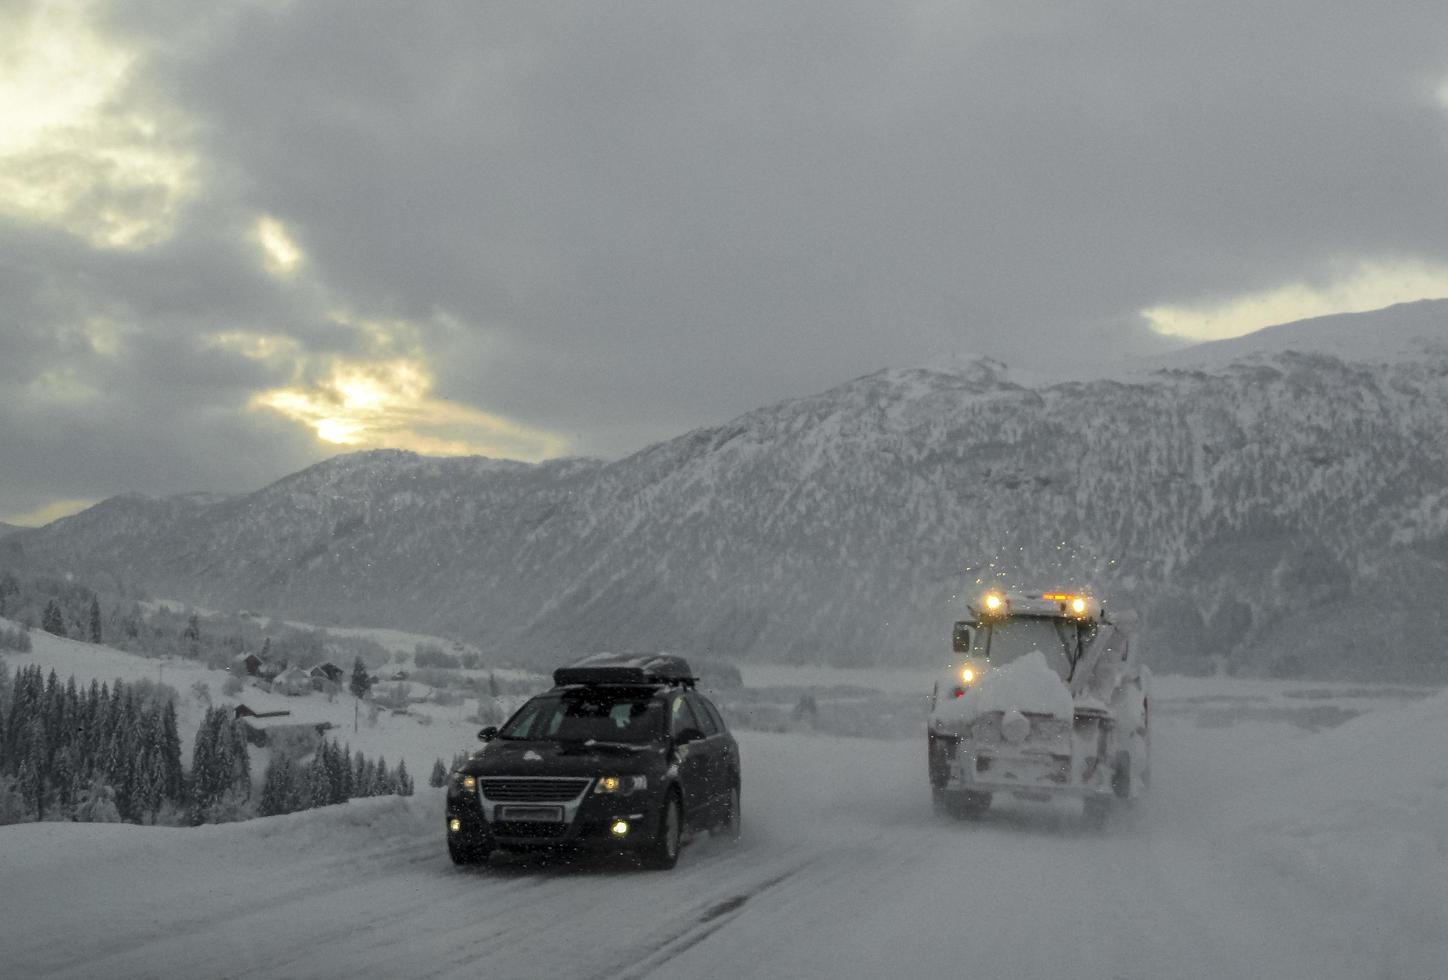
(533, 789)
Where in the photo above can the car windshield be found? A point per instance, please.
(580, 716)
(1010, 639)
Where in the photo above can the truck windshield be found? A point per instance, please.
(1010, 639)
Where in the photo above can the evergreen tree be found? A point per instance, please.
(317, 783)
(359, 685)
(95, 620)
(174, 786)
(34, 785)
(438, 777)
(360, 777)
(206, 781)
(382, 783)
(63, 778)
(404, 781)
(192, 635)
(344, 762)
(276, 789)
(51, 620)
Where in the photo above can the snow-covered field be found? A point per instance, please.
(1271, 845)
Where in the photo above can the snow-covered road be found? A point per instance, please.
(843, 872)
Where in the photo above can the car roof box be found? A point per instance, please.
(626, 668)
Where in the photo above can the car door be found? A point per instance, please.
(692, 758)
(727, 751)
(716, 757)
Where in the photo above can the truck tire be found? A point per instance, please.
(1096, 811)
(961, 805)
(1121, 776)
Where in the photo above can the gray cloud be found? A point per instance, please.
(619, 221)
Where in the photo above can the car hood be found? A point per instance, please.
(510, 758)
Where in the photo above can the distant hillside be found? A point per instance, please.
(9, 528)
(1287, 511)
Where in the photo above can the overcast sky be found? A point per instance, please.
(236, 239)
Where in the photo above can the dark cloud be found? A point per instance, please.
(619, 221)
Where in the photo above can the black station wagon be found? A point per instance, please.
(622, 754)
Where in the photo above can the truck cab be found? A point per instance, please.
(1044, 697)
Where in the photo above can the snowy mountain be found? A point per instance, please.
(1271, 503)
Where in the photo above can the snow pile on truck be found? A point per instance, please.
(1045, 698)
(1027, 685)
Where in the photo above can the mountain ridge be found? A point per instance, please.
(1245, 502)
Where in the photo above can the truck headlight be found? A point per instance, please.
(620, 785)
(967, 675)
(468, 784)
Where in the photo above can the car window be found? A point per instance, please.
(707, 723)
(584, 716)
(715, 713)
(683, 716)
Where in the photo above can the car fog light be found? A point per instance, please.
(619, 828)
(454, 825)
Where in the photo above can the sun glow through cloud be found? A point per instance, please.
(377, 404)
(80, 149)
(1369, 286)
(43, 515)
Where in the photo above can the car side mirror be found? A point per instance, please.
(688, 735)
(488, 734)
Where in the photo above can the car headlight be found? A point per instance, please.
(620, 785)
(468, 784)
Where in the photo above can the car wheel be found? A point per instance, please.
(732, 824)
(662, 852)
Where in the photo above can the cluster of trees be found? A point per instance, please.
(439, 774)
(334, 775)
(220, 770)
(106, 753)
(57, 606)
(73, 610)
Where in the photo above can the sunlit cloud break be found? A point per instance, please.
(279, 253)
(81, 148)
(387, 404)
(1370, 286)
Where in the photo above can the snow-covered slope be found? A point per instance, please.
(1282, 510)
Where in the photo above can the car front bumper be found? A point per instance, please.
(590, 822)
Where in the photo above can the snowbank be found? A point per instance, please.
(1362, 814)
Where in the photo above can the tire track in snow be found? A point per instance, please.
(692, 929)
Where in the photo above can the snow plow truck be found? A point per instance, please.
(1045, 698)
